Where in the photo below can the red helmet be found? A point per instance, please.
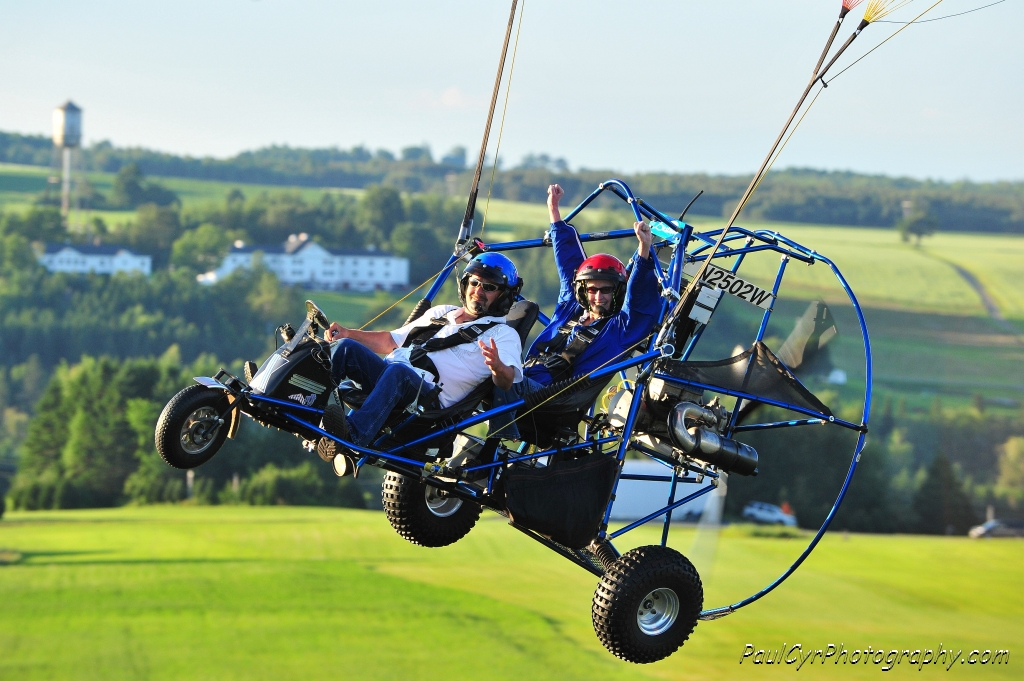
(601, 267)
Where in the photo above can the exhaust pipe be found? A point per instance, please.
(700, 443)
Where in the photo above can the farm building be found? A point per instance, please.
(86, 258)
(300, 261)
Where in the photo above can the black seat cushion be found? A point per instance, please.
(556, 417)
(521, 317)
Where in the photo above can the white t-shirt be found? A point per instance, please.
(462, 367)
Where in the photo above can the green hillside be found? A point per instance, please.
(19, 186)
(930, 329)
(290, 593)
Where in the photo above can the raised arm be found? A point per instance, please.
(555, 194)
(643, 295)
(566, 244)
(643, 235)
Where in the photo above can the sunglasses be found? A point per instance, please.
(485, 285)
(603, 291)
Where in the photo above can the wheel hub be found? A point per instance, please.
(657, 612)
(441, 506)
(200, 430)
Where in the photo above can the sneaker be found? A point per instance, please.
(334, 423)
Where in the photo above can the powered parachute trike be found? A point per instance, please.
(558, 484)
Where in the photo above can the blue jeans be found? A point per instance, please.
(505, 422)
(388, 386)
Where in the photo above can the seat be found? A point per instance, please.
(521, 317)
(557, 421)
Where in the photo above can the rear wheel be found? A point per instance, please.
(647, 604)
(190, 429)
(422, 515)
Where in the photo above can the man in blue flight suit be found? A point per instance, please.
(600, 314)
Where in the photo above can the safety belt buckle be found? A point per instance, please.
(554, 361)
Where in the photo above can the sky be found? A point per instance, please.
(650, 85)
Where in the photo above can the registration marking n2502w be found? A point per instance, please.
(733, 285)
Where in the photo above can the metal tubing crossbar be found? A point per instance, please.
(284, 403)
(646, 519)
(540, 455)
(779, 424)
(755, 398)
(754, 249)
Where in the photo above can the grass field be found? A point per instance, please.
(300, 593)
(20, 184)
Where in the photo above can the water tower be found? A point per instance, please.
(67, 136)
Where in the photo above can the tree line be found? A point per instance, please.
(933, 473)
(90, 444)
(793, 195)
(49, 320)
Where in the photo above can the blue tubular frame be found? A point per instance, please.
(305, 418)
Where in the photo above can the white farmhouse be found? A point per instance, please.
(86, 258)
(299, 261)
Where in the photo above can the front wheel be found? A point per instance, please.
(422, 516)
(192, 427)
(647, 604)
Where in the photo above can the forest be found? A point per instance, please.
(790, 195)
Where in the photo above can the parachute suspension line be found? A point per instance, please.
(912, 21)
(788, 137)
(815, 98)
(845, 8)
(467, 221)
(876, 10)
(501, 125)
(948, 16)
(843, 11)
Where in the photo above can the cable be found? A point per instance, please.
(948, 16)
(467, 220)
(501, 126)
(388, 308)
(788, 137)
(815, 98)
(471, 206)
(883, 42)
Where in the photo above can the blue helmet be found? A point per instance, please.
(496, 268)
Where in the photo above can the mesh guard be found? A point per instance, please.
(767, 377)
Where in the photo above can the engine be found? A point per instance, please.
(701, 441)
(677, 425)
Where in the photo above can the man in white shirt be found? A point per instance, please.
(440, 357)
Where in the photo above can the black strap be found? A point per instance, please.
(423, 361)
(424, 341)
(559, 354)
(422, 334)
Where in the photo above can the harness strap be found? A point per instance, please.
(559, 354)
(424, 342)
(424, 333)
